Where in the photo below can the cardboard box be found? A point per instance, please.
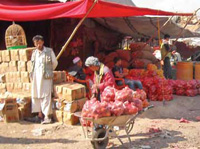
(25, 77)
(58, 116)
(25, 108)
(73, 91)
(29, 66)
(57, 90)
(12, 66)
(14, 54)
(2, 78)
(25, 54)
(13, 77)
(74, 106)
(8, 100)
(4, 67)
(2, 88)
(22, 66)
(10, 113)
(10, 87)
(70, 119)
(69, 91)
(57, 77)
(9, 77)
(63, 76)
(5, 55)
(18, 87)
(27, 87)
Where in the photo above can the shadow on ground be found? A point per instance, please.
(154, 141)
(8, 140)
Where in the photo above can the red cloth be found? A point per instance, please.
(74, 9)
(107, 79)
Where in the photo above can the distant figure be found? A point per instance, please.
(165, 57)
(77, 70)
(176, 57)
(119, 73)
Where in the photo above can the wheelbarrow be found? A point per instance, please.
(103, 128)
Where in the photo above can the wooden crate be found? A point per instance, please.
(58, 116)
(10, 87)
(4, 67)
(12, 66)
(69, 91)
(69, 118)
(73, 91)
(29, 66)
(5, 55)
(25, 77)
(18, 87)
(25, 54)
(57, 77)
(22, 66)
(14, 54)
(2, 88)
(27, 87)
(75, 105)
(9, 77)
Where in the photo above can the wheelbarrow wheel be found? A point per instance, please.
(129, 126)
(100, 133)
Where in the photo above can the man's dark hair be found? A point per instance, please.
(166, 36)
(38, 37)
(116, 59)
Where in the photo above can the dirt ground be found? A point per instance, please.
(172, 134)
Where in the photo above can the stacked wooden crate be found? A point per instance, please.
(69, 98)
(15, 66)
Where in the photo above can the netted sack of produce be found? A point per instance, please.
(126, 94)
(101, 56)
(110, 64)
(124, 54)
(140, 46)
(140, 94)
(138, 104)
(110, 57)
(125, 64)
(148, 55)
(191, 92)
(141, 63)
(95, 109)
(130, 108)
(116, 108)
(108, 94)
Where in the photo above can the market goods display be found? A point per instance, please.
(185, 88)
(15, 82)
(115, 103)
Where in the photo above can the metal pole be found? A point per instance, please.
(75, 30)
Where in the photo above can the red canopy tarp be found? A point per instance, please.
(76, 9)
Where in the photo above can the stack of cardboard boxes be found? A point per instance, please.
(69, 98)
(15, 84)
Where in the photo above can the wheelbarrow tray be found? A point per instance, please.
(111, 120)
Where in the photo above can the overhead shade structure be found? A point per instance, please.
(75, 9)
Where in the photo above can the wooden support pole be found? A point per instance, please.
(75, 30)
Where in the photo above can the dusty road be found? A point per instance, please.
(166, 118)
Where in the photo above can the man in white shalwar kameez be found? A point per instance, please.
(41, 85)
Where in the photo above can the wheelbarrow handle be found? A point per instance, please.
(149, 107)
